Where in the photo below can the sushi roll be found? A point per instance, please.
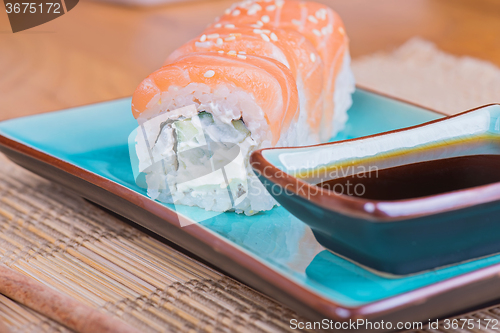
(267, 73)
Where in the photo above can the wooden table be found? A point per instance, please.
(101, 51)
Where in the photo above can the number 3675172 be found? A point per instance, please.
(32, 8)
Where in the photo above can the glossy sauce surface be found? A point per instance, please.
(420, 179)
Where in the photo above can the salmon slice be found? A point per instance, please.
(289, 47)
(269, 81)
(316, 22)
(306, 37)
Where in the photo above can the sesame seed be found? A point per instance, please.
(241, 56)
(213, 36)
(220, 51)
(280, 3)
(255, 26)
(219, 42)
(230, 38)
(242, 52)
(264, 37)
(265, 19)
(227, 11)
(204, 45)
(209, 73)
(296, 22)
(312, 19)
(313, 57)
(324, 30)
(273, 36)
(317, 32)
(270, 8)
(236, 12)
(260, 24)
(237, 34)
(341, 30)
(218, 25)
(319, 14)
(203, 38)
(254, 9)
(229, 26)
(231, 52)
(257, 31)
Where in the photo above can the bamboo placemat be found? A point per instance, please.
(64, 242)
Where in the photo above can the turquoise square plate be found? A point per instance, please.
(86, 150)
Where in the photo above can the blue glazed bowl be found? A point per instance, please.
(400, 236)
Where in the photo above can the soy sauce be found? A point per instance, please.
(420, 179)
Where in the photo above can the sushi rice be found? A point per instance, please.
(215, 116)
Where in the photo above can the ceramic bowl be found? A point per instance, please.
(393, 236)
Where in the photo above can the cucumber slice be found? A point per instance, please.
(186, 130)
(240, 127)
